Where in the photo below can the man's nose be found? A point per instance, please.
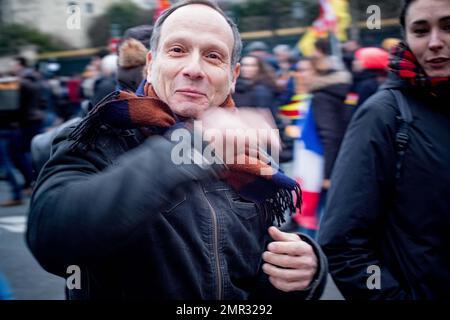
(194, 69)
(436, 43)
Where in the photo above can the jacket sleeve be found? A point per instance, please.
(359, 200)
(85, 206)
(266, 291)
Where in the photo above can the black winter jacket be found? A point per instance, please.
(255, 95)
(330, 114)
(365, 84)
(401, 227)
(139, 226)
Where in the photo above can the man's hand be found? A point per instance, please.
(255, 128)
(326, 184)
(290, 262)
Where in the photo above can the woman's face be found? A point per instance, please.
(249, 68)
(427, 26)
(304, 75)
(305, 69)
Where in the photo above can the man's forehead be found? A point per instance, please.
(200, 18)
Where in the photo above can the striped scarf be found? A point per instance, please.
(404, 64)
(143, 110)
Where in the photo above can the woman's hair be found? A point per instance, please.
(323, 46)
(266, 74)
(406, 5)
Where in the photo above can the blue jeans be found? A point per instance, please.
(6, 137)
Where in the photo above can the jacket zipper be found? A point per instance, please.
(216, 249)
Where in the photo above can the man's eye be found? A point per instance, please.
(176, 50)
(213, 55)
(446, 27)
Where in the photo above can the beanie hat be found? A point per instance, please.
(373, 58)
(141, 33)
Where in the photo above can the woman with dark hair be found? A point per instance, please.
(256, 86)
(386, 226)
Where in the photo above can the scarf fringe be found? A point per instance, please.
(87, 130)
(84, 135)
(273, 209)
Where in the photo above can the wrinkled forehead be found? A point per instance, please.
(198, 21)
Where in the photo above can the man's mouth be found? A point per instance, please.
(190, 92)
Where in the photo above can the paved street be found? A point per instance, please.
(27, 279)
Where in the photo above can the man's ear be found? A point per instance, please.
(236, 73)
(148, 65)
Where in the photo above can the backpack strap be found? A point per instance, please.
(401, 136)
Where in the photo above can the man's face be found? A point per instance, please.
(16, 67)
(249, 68)
(191, 70)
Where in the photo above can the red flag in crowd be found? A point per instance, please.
(162, 5)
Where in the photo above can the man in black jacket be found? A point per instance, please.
(114, 203)
(329, 87)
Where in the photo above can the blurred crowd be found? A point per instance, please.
(347, 115)
(38, 104)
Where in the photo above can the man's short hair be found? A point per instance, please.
(22, 61)
(237, 47)
(257, 46)
(323, 46)
(281, 48)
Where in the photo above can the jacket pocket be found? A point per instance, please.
(176, 201)
(242, 208)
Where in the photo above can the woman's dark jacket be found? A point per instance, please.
(374, 222)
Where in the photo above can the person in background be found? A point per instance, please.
(107, 82)
(91, 74)
(256, 85)
(284, 59)
(132, 57)
(261, 49)
(387, 219)
(348, 53)
(370, 68)
(329, 87)
(131, 71)
(9, 131)
(31, 118)
(304, 166)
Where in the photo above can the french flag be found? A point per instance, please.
(308, 171)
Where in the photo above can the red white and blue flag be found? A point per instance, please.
(308, 171)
